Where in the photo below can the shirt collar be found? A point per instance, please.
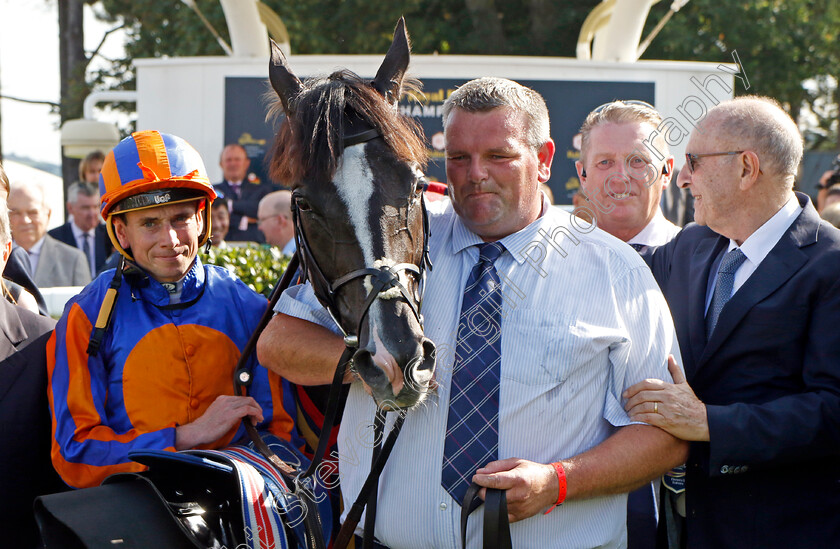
(463, 238)
(758, 245)
(36, 248)
(658, 232)
(78, 233)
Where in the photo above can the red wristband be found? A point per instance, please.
(561, 481)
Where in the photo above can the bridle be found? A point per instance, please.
(382, 279)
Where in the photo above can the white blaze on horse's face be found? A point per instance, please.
(354, 183)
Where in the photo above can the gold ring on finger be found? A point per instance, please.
(655, 407)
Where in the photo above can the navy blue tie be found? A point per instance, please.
(472, 428)
(723, 287)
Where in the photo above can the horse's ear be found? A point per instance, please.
(390, 75)
(284, 82)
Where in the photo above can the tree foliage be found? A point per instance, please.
(788, 48)
(782, 43)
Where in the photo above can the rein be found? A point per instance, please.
(382, 279)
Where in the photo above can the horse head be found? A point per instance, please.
(355, 167)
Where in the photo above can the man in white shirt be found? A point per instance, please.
(580, 320)
(274, 218)
(53, 263)
(623, 170)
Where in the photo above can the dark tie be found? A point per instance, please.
(723, 287)
(86, 249)
(638, 247)
(472, 428)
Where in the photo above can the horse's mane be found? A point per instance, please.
(309, 144)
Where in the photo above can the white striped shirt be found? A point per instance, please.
(579, 326)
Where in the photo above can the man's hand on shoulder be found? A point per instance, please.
(531, 487)
(223, 414)
(673, 407)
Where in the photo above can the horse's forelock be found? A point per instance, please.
(309, 145)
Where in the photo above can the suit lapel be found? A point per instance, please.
(783, 261)
(12, 332)
(701, 263)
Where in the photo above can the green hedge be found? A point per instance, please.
(260, 267)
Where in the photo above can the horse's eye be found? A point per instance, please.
(303, 204)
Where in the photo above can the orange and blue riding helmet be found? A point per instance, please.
(150, 169)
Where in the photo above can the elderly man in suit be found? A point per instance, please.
(754, 291)
(243, 196)
(25, 468)
(53, 263)
(85, 232)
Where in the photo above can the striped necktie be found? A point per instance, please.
(472, 428)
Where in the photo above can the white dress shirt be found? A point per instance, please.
(756, 246)
(658, 232)
(583, 319)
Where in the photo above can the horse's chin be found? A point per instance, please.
(404, 400)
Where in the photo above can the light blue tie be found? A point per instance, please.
(472, 427)
(723, 287)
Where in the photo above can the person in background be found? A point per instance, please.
(243, 195)
(25, 469)
(754, 291)
(90, 167)
(220, 222)
(620, 178)
(623, 182)
(53, 263)
(85, 231)
(18, 286)
(160, 375)
(832, 214)
(274, 216)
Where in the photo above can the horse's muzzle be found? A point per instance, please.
(400, 379)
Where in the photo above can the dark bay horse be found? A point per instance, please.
(355, 167)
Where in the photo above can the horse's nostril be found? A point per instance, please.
(428, 354)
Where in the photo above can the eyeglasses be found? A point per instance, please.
(691, 159)
(635, 102)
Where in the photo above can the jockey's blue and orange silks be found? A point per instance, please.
(158, 367)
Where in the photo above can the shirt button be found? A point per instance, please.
(194, 403)
(190, 350)
(443, 506)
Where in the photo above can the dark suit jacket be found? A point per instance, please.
(770, 378)
(101, 243)
(245, 205)
(25, 467)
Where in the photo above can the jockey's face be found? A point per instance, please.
(163, 240)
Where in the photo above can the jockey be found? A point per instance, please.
(144, 356)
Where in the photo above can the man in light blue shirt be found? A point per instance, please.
(582, 320)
